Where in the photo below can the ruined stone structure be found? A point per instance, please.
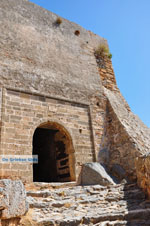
(59, 101)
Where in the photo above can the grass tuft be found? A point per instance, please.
(102, 51)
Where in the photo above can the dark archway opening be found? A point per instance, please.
(53, 159)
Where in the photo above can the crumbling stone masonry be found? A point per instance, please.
(60, 101)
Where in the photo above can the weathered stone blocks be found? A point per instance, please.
(13, 202)
(143, 173)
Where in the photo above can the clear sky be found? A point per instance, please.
(126, 26)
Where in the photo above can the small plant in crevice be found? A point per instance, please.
(109, 55)
(58, 21)
(103, 52)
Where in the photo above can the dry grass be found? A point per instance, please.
(102, 51)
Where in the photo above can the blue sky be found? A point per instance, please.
(126, 26)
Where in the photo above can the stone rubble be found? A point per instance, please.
(120, 204)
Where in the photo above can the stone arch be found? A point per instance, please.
(46, 120)
(59, 148)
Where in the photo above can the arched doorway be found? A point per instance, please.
(53, 145)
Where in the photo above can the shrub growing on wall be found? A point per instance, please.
(102, 52)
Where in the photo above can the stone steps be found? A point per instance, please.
(68, 204)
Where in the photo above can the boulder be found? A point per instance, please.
(94, 173)
(13, 202)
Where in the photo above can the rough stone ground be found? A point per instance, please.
(67, 204)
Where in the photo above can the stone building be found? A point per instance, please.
(59, 101)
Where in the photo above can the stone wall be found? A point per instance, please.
(125, 137)
(107, 73)
(117, 149)
(98, 115)
(54, 77)
(38, 56)
(23, 113)
(50, 74)
(143, 173)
